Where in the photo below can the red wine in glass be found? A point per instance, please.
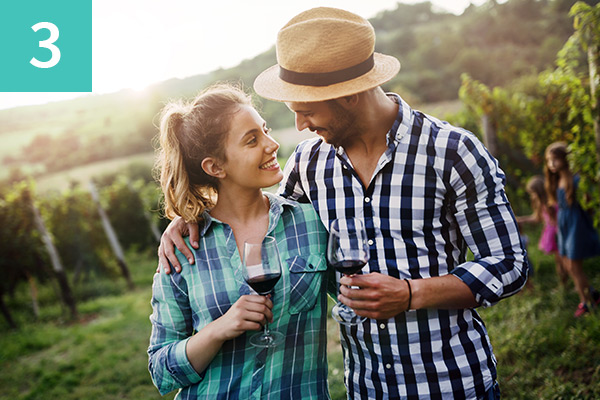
(349, 267)
(264, 284)
(261, 267)
(348, 253)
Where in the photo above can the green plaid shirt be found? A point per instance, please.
(184, 303)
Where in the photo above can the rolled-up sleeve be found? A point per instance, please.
(171, 319)
(487, 224)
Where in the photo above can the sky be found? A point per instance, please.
(140, 42)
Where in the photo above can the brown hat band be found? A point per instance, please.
(326, 78)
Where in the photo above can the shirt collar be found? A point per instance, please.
(404, 120)
(276, 205)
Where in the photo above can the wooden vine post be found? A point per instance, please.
(59, 272)
(112, 236)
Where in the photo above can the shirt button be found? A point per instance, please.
(367, 199)
(388, 366)
(345, 167)
(382, 326)
(370, 242)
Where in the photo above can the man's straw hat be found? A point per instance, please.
(325, 53)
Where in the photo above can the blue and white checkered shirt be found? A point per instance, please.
(435, 191)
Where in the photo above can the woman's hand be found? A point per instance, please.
(173, 237)
(249, 313)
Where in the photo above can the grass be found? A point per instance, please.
(543, 352)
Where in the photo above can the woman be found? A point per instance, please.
(216, 155)
(577, 237)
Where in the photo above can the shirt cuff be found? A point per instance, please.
(180, 367)
(486, 287)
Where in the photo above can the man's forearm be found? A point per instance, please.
(443, 292)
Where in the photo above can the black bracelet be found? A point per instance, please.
(409, 294)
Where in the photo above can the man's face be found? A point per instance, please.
(328, 119)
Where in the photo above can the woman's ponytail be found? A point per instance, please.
(190, 132)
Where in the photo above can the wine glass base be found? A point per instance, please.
(344, 315)
(272, 339)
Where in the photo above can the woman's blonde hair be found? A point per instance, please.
(190, 132)
(558, 150)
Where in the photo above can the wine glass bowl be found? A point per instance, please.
(348, 253)
(261, 268)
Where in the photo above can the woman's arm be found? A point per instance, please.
(249, 313)
(177, 356)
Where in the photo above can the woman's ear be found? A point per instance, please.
(212, 167)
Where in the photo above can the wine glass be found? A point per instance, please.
(347, 252)
(261, 267)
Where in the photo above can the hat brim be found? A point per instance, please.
(270, 86)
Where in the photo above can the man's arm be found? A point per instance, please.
(382, 296)
(488, 226)
(172, 238)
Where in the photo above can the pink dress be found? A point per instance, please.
(548, 242)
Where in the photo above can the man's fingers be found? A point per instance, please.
(358, 294)
(355, 280)
(182, 247)
(162, 261)
(194, 235)
(168, 256)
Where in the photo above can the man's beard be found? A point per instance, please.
(342, 129)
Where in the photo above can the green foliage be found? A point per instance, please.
(77, 233)
(556, 106)
(72, 219)
(17, 233)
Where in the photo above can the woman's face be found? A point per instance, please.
(554, 163)
(251, 152)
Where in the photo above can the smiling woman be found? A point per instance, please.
(216, 155)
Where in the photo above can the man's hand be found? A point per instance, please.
(173, 237)
(379, 297)
(382, 296)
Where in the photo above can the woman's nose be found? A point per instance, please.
(271, 145)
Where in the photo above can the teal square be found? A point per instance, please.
(72, 19)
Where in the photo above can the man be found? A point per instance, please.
(425, 190)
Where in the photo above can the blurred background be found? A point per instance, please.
(80, 213)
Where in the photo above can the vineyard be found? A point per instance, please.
(65, 239)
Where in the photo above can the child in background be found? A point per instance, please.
(546, 214)
(577, 238)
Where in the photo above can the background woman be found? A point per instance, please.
(577, 238)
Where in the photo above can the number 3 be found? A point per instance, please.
(48, 45)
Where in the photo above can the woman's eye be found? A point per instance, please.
(252, 141)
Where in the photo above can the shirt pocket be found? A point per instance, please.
(306, 278)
